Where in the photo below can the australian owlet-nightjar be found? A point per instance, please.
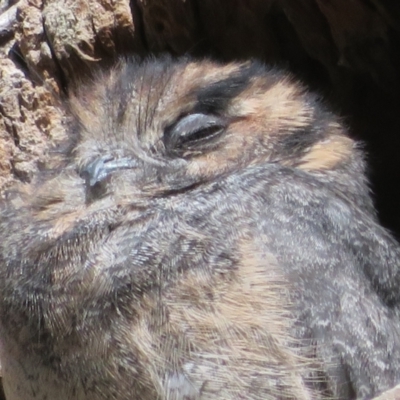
(207, 233)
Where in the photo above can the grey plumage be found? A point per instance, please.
(208, 234)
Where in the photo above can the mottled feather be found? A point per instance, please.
(208, 233)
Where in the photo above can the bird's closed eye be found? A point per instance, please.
(194, 132)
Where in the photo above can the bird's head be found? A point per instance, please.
(163, 126)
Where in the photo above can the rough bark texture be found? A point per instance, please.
(349, 50)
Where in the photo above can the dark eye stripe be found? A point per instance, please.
(216, 97)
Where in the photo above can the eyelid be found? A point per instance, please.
(194, 131)
(194, 122)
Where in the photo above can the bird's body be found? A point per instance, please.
(209, 234)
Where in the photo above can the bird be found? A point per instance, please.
(206, 231)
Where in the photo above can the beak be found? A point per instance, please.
(102, 167)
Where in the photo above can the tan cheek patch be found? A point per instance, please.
(278, 108)
(327, 154)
